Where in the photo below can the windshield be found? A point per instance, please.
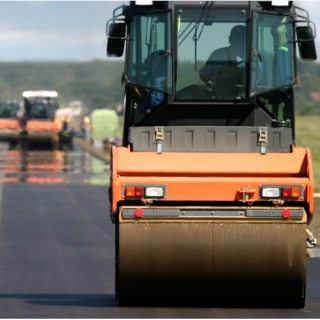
(212, 53)
(8, 109)
(149, 61)
(273, 52)
(42, 110)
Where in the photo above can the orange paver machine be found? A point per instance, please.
(210, 196)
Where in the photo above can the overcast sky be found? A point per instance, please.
(54, 30)
(68, 30)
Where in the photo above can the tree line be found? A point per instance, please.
(309, 82)
(98, 83)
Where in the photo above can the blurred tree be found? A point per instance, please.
(5, 90)
(98, 83)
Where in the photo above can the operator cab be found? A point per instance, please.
(183, 69)
(40, 105)
(9, 109)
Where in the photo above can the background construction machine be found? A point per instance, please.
(9, 123)
(38, 125)
(209, 194)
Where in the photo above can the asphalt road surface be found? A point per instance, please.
(57, 245)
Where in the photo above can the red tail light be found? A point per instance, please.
(291, 192)
(286, 192)
(139, 192)
(145, 191)
(134, 192)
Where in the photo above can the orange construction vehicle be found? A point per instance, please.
(38, 125)
(210, 196)
(9, 124)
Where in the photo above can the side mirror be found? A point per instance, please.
(116, 39)
(305, 39)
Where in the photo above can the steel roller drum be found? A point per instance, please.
(42, 136)
(210, 263)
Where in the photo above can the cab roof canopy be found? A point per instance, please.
(40, 94)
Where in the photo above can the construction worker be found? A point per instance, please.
(281, 66)
(85, 124)
(65, 123)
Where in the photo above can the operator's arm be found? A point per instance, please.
(153, 98)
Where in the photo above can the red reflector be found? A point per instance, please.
(286, 213)
(138, 213)
(286, 192)
(139, 192)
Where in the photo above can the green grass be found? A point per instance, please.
(308, 135)
(120, 128)
(314, 226)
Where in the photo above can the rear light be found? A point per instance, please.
(286, 192)
(283, 192)
(144, 191)
(139, 191)
(130, 191)
(136, 192)
(270, 192)
(291, 192)
(157, 192)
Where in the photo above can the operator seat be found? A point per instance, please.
(229, 81)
